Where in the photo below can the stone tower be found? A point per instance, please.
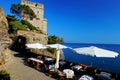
(40, 22)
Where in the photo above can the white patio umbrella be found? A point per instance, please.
(58, 48)
(36, 46)
(95, 51)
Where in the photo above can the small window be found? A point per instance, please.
(36, 5)
(31, 18)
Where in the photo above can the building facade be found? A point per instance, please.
(39, 22)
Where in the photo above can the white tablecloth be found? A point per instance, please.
(86, 77)
(77, 67)
(48, 59)
(36, 60)
(69, 73)
(62, 62)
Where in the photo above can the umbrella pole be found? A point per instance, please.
(57, 59)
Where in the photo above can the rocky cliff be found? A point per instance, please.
(5, 41)
(3, 20)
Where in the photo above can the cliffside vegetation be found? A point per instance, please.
(15, 24)
(54, 39)
(24, 9)
(28, 25)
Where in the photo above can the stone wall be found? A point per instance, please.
(33, 37)
(5, 41)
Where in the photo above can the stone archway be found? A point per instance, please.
(19, 44)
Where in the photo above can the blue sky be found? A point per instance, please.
(80, 21)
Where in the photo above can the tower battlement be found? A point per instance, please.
(33, 4)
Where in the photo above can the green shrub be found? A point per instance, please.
(54, 39)
(11, 35)
(28, 24)
(4, 75)
(16, 25)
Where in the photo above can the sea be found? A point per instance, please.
(109, 64)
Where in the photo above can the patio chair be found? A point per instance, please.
(53, 73)
(30, 62)
(38, 65)
(69, 77)
(61, 75)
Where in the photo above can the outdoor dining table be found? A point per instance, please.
(35, 62)
(69, 73)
